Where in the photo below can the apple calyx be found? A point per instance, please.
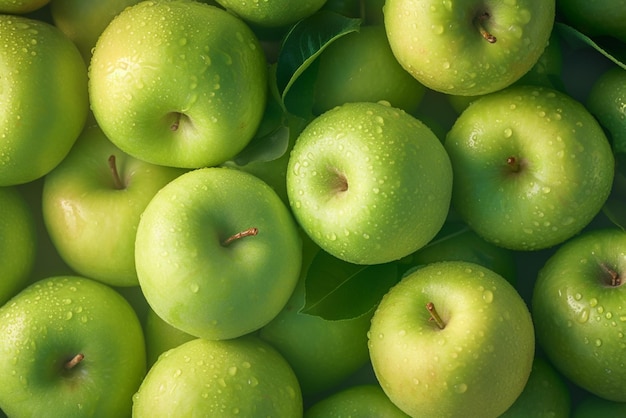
(117, 181)
(74, 361)
(614, 279)
(478, 22)
(341, 183)
(434, 316)
(176, 122)
(246, 233)
(514, 164)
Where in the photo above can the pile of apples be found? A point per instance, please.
(319, 208)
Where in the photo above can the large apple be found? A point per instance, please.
(369, 183)
(70, 346)
(92, 202)
(595, 18)
(178, 83)
(217, 253)
(468, 47)
(452, 339)
(18, 242)
(579, 307)
(238, 377)
(43, 97)
(532, 167)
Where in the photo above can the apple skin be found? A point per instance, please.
(595, 17)
(91, 220)
(197, 283)
(18, 242)
(178, 83)
(363, 400)
(442, 47)
(592, 406)
(369, 183)
(43, 94)
(161, 336)
(274, 13)
(360, 67)
(238, 377)
(50, 322)
(607, 102)
(476, 366)
(532, 167)
(579, 314)
(21, 6)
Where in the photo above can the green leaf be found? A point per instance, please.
(337, 290)
(611, 48)
(301, 46)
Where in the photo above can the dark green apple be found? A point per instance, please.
(607, 102)
(595, 17)
(592, 406)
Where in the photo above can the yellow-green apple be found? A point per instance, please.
(452, 339)
(178, 83)
(362, 400)
(161, 336)
(369, 183)
(21, 6)
(272, 13)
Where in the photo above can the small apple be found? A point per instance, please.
(92, 202)
(360, 67)
(18, 242)
(532, 167)
(71, 346)
(363, 400)
(607, 102)
(272, 13)
(452, 339)
(161, 336)
(238, 377)
(579, 307)
(595, 18)
(43, 96)
(369, 183)
(468, 47)
(178, 83)
(217, 253)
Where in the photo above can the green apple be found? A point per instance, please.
(237, 377)
(369, 183)
(592, 406)
(595, 17)
(71, 347)
(272, 13)
(546, 394)
(178, 83)
(607, 102)
(579, 307)
(532, 167)
(21, 6)
(452, 339)
(363, 400)
(360, 67)
(217, 253)
(161, 336)
(43, 97)
(84, 20)
(92, 202)
(468, 47)
(18, 242)
(321, 352)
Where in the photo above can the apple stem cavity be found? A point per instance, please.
(117, 181)
(615, 279)
(513, 163)
(478, 21)
(74, 361)
(434, 316)
(247, 233)
(176, 124)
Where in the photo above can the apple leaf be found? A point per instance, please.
(301, 46)
(337, 290)
(611, 48)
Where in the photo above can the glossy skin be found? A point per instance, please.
(196, 282)
(191, 96)
(579, 313)
(43, 94)
(21, 6)
(607, 102)
(533, 167)
(369, 183)
(272, 13)
(18, 242)
(91, 220)
(243, 376)
(49, 323)
(521, 30)
(476, 366)
(365, 400)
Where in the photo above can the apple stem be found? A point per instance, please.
(174, 126)
(74, 361)
(478, 21)
(434, 316)
(247, 233)
(117, 181)
(513, 163)
(614, 278)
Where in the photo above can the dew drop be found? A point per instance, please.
(460, 388)
(488, 296)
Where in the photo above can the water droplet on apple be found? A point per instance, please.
(178, 372)
(584, 316)
(488, 296)
(593, 302)
(194, 287)
(253, 381)
(578, 296)
(460, 388)
(68, 315)
(508, 132)
(598, 342)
